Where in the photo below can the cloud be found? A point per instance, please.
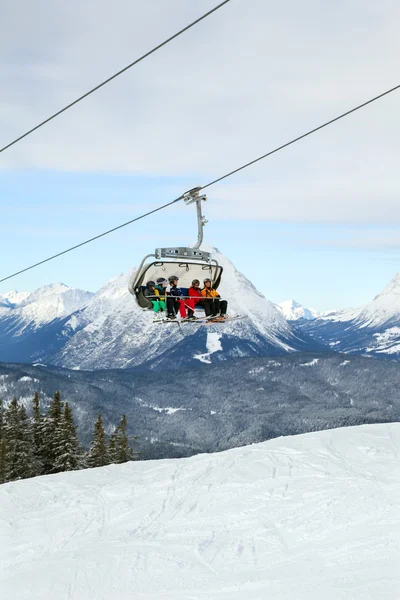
(246, 80)
(387, 241)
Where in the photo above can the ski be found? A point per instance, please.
(214, 320)
(196, 320)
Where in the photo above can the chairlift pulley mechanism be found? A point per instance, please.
(190, 197)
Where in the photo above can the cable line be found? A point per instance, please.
(138, 60)
(96, 237)
(345, 114)
(203, 187)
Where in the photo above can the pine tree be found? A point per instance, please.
(68, 452)
(112, 448)
(48, 433)
(37, 435)
(3, 460)
(56, 408)
(98, 455)
(19, 445)
(123, 452)
(29, 459)
(3, 448)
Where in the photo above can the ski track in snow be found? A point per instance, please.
(308, 517)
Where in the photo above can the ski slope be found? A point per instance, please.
(310, 517)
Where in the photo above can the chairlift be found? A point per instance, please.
(185, 263)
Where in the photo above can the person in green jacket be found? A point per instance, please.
(158, 302)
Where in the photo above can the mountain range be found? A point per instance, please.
(78, 330)
(371, 330)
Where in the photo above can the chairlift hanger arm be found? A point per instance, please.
(189, 197)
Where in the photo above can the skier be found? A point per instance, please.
(153, 295)
(212, 301)
(174, 301)
(161, 285)
(195, 298)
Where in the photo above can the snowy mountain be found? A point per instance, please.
(373, 329)
(32, 324)
(305, 517)
(14, 298)
(292, 311)
(108, 330)
(384, 308)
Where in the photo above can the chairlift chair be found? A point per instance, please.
(185, 263)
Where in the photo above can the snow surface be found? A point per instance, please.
(307, 517)
(292, 311)
(213, 344)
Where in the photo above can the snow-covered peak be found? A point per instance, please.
(243, 296)
(341, 315)
(47, 303)
(384, 307)
(292, 311)
(14, 297)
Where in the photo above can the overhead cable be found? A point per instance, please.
(203, 187)
(300, 137)
(96, 237)
(135, 62)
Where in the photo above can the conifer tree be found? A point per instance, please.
(67, 449)
(3, 452)
(98, 454)
(56, 408)
(19, 446)
(3, 460)
(48, 428)
(111, 448)
(123, 452)
(31, 465)
(37, 434)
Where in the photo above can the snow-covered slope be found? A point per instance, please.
(112, 332)
(306, 517)
(292, 311)
(384, 308)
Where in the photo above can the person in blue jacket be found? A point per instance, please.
(174, 300)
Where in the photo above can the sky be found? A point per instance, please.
(318, 222)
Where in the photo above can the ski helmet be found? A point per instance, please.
(161, 280)
(207, 280)
(195, 281)
(150, 284)
(172, 278)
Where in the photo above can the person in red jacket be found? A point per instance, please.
(195, 298)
